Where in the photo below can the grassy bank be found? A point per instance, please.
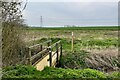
(29, 72)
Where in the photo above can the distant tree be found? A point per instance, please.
(12, 45)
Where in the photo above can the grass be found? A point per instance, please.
(84, 57)
(95, 40)
(90, 43)
(96, 43)
(29, 72)
(49, 72)
(76, 28)
(74, 60)
(77, 63)
(84, 37)
(32, 34)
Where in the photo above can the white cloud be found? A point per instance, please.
(83, 13)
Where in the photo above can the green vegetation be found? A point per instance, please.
(80, 58)
(29, 72)
(48, 72)
(77, 63)
(76, 28)
(72, 73)
(96, 43)
(90, 43)
(74, 64)
(76, 58)
(114, 75)
(12, 25)
(83, 38)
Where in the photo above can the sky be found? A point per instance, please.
(79, 13)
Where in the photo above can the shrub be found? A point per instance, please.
(114, 75)
(22, 71)
(76, 58)
(19, 71)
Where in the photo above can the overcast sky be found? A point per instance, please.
(89, 13)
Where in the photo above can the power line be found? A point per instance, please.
(41, 21)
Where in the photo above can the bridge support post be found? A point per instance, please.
(41, 47)
(29, 57)
(57, 60)
(60, 49)
(60, 54)
(48, 44)
(50, 56)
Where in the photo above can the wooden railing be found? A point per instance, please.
(40, 48)
(51, 50)
(41, 44)
(56, 48)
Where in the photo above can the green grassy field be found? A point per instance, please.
(79, 33)
(99, 37)
(95, 53)
(76, 28)
(97, 41)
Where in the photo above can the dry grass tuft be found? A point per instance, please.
(103, 62)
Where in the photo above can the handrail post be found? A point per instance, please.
(48, 44)
(60, 53)
(60, 49)
(29, 57)
(50, 56)
(57, 53)
(41, 47)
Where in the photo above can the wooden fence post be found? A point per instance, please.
(50, 56)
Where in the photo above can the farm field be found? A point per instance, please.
(65, 32)
(83, 37)
(95, 53)
(100, 43)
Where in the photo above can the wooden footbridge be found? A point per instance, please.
(44, 54)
